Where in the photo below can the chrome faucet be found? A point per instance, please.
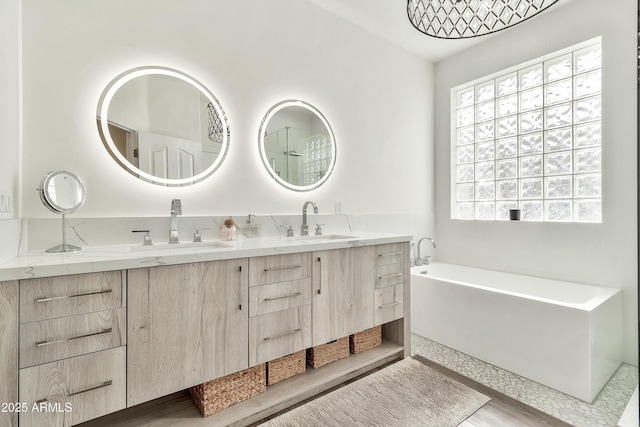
(304, 228)
(426, 259)
(176, 209)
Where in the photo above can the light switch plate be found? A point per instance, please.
(5, 204)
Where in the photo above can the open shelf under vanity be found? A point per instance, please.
(178, 409)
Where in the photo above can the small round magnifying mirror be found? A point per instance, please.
(62, 192)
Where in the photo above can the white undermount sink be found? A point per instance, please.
(178, 246)
(322, 237)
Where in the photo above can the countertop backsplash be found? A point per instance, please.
(43, 233)
(13, 242)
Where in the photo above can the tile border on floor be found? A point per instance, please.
(604, 411)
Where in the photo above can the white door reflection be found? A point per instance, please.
(169, 157)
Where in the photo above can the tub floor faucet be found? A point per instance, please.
(419, 260)
(176, 209)
(304, 228)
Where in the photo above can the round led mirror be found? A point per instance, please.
(297, 145)
(163, 126)
(62, 192)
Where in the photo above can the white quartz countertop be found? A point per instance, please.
(34, 264)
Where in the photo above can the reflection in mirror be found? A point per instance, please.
(62, 192)
(163, 126)
(297, 145)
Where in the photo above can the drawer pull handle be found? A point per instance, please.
(108, 291)
(390, 275)
(319, 276)
(295, 331)
(390, 305)
(293, 267)
(45, 343)
(391, 253)
(104, 384)
(297, 294)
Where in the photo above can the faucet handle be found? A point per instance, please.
(197, 237)
(148, 241)
(176, 206)
(319, 229)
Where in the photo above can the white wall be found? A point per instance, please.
(603, 254)
(251, 55)
(9, 102)
(9, 126)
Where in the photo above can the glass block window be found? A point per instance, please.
(530, 139)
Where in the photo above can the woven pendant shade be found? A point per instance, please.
(459, 19)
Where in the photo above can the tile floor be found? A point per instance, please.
(605, 411)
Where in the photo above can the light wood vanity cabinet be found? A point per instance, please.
(71, 353)
(9, 351)
(101, 342)
(392, 269)
(279, 306)
(187, 324)
(343, 297)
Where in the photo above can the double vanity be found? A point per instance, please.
(121, 332)
(110, 330)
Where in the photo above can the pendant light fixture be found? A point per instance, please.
(215, 125)
(460, 19)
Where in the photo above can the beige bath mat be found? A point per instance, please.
(404, 394)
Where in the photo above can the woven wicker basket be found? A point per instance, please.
(219, 394)
(286, 367)
(365, 340)
(327, 353)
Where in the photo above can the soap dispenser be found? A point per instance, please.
(250, 229)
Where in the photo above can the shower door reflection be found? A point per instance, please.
(298, 156)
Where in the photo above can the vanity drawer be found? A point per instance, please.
(279, 268)
(279, 296)
(51, 297)
(390, 274)
(390, 253)
(279, 334)
(49, 340)
(389, 305)
(74, 390)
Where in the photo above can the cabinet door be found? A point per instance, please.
(9, 350)
(389, 304)
(50, 340)
(267, 299)
(187, 324)
(71, 391)
(343, 293)
(279, 333)
(279, 268)
(52, 297)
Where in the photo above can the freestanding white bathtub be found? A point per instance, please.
(564, 335)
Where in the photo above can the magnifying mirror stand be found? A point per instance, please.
(62, 192)
(64, 247)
